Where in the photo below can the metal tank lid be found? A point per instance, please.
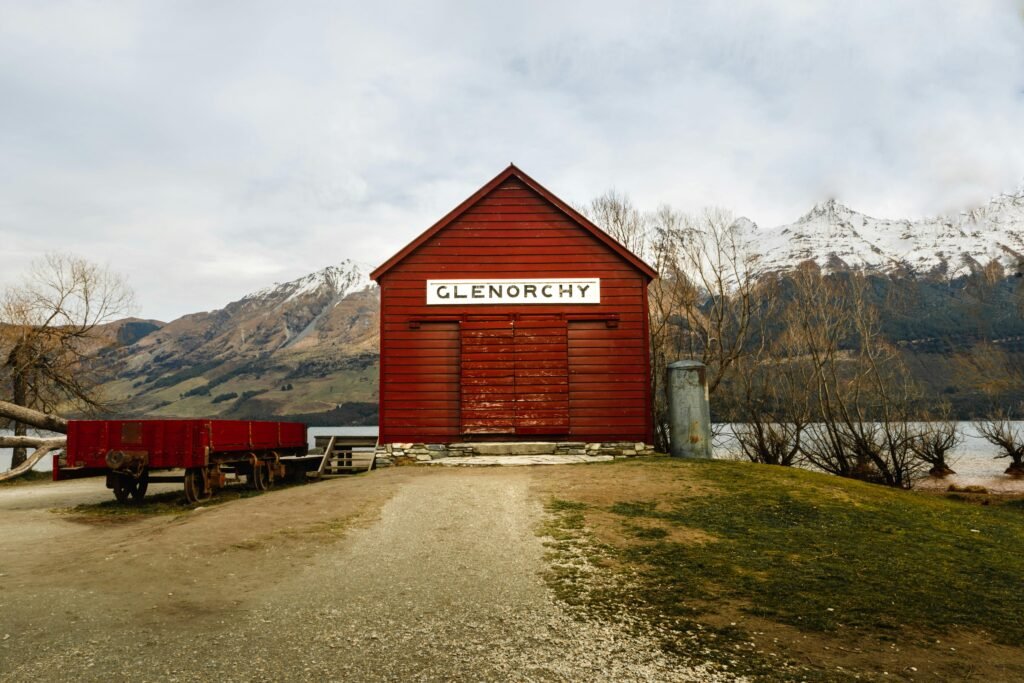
(686, 364)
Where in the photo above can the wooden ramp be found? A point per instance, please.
(346, 454)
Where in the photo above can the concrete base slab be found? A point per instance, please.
(515, 460)
(508, 447)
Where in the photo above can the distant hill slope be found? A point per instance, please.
(306, 347)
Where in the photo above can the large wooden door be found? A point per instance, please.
(515, 377)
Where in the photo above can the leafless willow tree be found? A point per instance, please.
(863, 393)
(703, 303)
(768, 401)
(708, 292)
(47, 327)
(1004, 431)
(935, 439)
(806, 371)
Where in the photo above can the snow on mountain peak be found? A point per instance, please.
(829, 209)
(338, 281)
(833, 235)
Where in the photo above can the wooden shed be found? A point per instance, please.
(514, 318)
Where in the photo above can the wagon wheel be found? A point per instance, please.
(122, 487)
(196, 490)
(141, 484)
(259, 476)
(126, 486)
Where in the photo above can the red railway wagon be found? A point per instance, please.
(128, 450)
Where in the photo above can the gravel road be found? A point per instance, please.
(413, 575)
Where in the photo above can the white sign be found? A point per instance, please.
(570, 290)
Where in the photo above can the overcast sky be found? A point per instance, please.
(206, 149)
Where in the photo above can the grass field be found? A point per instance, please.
(792, 575)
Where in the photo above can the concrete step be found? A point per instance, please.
(517, 460)
(504, 448)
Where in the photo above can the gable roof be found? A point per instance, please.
(513, 172)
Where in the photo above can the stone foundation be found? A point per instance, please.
(407, 453)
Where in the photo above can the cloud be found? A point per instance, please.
(208, 149)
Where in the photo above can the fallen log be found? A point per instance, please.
(43, 447)
(33, 417)
(28, 441)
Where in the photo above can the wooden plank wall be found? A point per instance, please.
(513, 232)
(488, 377)
(608, 382)
(420, 387)
(542, 377)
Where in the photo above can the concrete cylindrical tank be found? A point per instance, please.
(689, 412)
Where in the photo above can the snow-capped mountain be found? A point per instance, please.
(836, 236)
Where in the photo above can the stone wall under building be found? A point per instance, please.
(394, 453)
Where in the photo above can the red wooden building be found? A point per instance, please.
(514, 318)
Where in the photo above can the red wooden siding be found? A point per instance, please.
(422, 382)
(488, 377)
(542, 377)
(608, 381)
(503, 372)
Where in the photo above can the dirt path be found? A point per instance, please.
(407, 574)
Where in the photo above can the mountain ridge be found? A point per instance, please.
(309, 347)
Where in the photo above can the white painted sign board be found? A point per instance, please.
(571, 290)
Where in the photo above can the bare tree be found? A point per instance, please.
(702, 304)
(768, 396)
(42, 446)
(863, 392)
(708, 292)
(47, 325)
(934, 440)
(768, 429)
(617, 216)
(1004, 431)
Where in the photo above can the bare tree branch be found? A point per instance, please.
(43, 448)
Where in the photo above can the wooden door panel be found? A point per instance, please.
(542, 377)
(488, 377)
(421, 390)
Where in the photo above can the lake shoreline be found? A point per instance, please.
(973, 460)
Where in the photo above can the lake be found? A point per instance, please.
(973, 459)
